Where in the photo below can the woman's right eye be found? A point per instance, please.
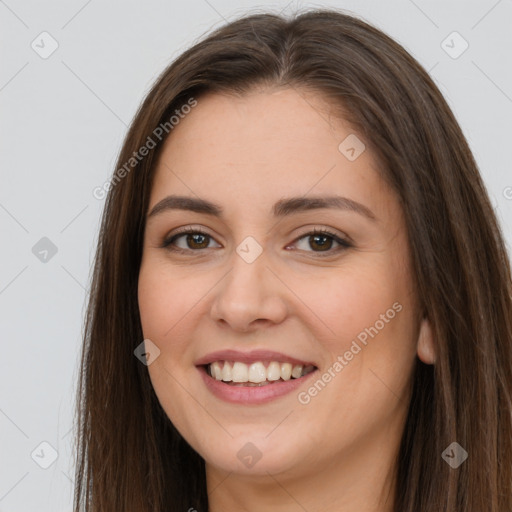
(193, 240)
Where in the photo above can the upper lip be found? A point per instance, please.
(249, 357)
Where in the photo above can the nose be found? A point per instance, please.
(250, 295)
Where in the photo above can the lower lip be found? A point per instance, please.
(250, 395)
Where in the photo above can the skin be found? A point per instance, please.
(337, 452)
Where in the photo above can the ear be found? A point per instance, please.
(425, 347)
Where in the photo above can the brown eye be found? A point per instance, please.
(193, 240)
(197, 238)
(321, 241)
(324, 242)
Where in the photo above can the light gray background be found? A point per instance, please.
(62, 122)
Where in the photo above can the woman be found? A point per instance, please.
(301, 297)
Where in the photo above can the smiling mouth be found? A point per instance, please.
(259, 373)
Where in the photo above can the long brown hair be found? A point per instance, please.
(130, 457)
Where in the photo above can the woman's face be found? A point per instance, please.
(258, 294)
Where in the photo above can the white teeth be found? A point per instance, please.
(286, 371)
(240, 372)
(226, 372)
(274, 371)
(216, 370)
(256, 373)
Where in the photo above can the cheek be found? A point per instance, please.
(164, 301)
(166, 305)
(356, 302)
(367, 331)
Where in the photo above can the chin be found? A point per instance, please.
(253, 455)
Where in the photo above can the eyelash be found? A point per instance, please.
(344, 244)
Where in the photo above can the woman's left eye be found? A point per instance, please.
(324, 239)
(195, 240)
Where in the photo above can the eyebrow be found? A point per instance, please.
(281, 208)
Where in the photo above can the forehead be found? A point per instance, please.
(264, 145)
